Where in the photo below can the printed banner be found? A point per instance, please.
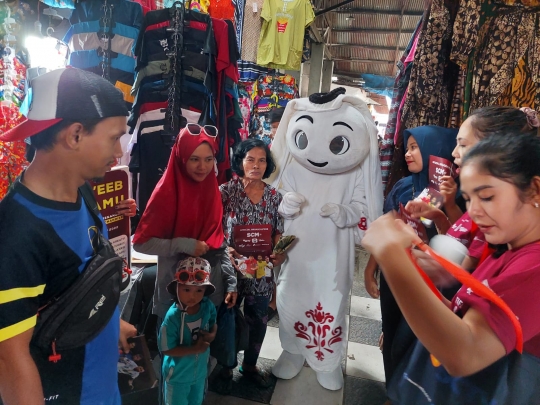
(253, 240)
(112, 189)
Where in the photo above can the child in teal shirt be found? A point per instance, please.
(186, 333)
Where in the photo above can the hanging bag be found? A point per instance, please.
(77, 315)
(420, 379)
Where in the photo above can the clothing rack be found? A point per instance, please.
(173, 117)
(105, 36)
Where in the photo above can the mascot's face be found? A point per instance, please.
(329, 142)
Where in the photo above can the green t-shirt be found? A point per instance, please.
(282, 33)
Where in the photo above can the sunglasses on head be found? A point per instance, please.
(195, 129)
(185, 276)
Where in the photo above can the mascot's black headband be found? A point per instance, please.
(323, 98)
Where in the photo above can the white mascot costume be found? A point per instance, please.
(327, 154)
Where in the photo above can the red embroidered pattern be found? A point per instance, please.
(363, 224)
(318, 332)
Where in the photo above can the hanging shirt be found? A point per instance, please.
(282, 34)
(251, 29)
(221, 9)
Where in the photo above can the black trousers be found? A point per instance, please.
(398, 336)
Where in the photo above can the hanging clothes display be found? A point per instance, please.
(101, 40)
(282, 34)
(499, 43)
(223, 9)
(433, 77)
(12, 90)
(400, 89)
(470, 54)
(270, 92)
(239, 21)
(12, 154)
(186, 73)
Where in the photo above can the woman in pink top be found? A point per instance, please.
(500, 180)
(483, 123)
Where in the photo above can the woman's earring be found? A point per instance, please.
(536, 205)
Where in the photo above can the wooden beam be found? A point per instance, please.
(371, 47)
(375, 11)
(368, 61)
(326, 10)
(373, 31)
(396, 54)
(349, 75)
(319, 39)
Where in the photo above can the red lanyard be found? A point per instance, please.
(466, 279)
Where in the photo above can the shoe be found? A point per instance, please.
(288, 365)
(271, 313)
(223, 384)
(332, 381)
(263, 381)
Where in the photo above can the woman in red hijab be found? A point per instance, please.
(184, 218)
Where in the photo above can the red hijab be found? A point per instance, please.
(180, 206)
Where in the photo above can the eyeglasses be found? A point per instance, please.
(184, 276)
(195, 129)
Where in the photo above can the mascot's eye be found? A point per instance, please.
(301, 140)
(339, 145)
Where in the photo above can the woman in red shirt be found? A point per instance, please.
(500, 180)
(482, 123)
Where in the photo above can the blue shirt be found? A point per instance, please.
(44, 245)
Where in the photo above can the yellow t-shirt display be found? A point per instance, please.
(282, 34)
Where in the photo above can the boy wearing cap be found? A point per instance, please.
(186, 333)
(74, 120)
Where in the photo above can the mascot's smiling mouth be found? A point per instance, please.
(317, 164)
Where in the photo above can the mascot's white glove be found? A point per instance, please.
(336, 212)
(290, 205)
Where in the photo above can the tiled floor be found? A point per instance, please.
(364, 373)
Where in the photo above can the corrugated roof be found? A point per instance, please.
(364, 34)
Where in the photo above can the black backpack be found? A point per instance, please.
(77, 315)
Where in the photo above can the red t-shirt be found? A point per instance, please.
(462, 232)
(515, 277)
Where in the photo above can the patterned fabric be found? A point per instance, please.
(432, 80)
(270, 92)
(400, 88)
(246, 107)
(239, 20)
(238, 209)
(250, 71)
(512, 36)
(429, 89)
(456, 114)
(251, 30)
(12, 154)
(499, 44)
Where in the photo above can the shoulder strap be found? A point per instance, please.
(87, 195)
